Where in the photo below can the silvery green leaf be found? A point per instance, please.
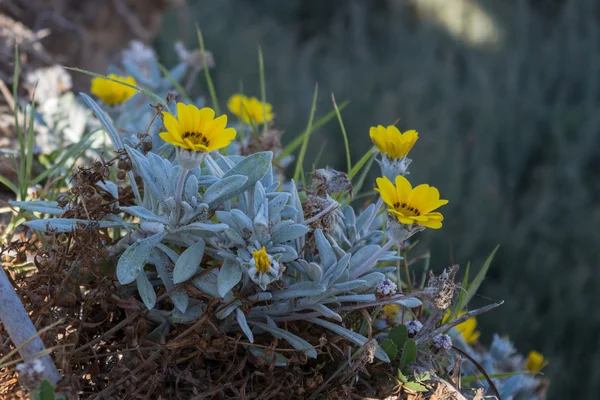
(410, 302)
(333, 273)
(221, 190)
(276, 205)
(272, 187)
(109, 187)
(163, 177)
(163, 266)
(191, 188)
(295, 341)
(275, 359)
(372, 279)
(188, 262)
(241, 319)
(104, 120)
(142, 167)
(234, 237)
(296, 203)
(259, 198)
(262, 296)
(361, 256)
(349, 217)
(254, 167)
(207, 283)
(228, 309)
(207, 180)
(229, 275)
(349, 286)
(326, 252)
(343, 277)
(351, 336)
(314, 271)
(244, 222)
(202, 226)
(66, 224)
(281, 224)
(226, 218)
(288, 254)
(146, 290)
(288, 233)
(359, 298)
(261, 226)
(267, 180)
(386, 270)
(300, 289)
(144, 214)
(173, 256)
(289, 212)
(46, 207)
(133, 259)
(326, 312)
(190, 314)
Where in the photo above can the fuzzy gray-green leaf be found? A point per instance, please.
(134, 258)
(188, 262)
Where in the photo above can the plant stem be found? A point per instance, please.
(21, 330)
(406, 271)
(179, 192)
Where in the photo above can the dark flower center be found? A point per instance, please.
(407, 209)
(197, 138)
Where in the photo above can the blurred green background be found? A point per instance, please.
(505, 95)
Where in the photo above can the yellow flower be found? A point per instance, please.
(197, 129)
(111, 92)
(250, 109)
(412, 206)
(466, 329)
(263, 263)
(535, 361)
(390, 310)
(391, 142)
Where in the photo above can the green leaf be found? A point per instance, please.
(306, 135)
(209, 82)
(415, 387)
(401, 377)
(390, 348)
(474, 286)
(399, 335)
(44, 392)
(297, 141)
(409, 353)
(461, 304)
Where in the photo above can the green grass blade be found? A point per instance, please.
(462, 297)
(30, 144)
(147, 92)
(263, 88)
(469, 379)
(9, 184)
(71, 152)
(363, 175)
(306, 135)
(357, 167)
(209, 82)
(175, 84)
(20, 134)
(294, 144)
(343, 128)
(474, 286)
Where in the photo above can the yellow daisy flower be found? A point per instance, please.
(391, 142)
(535, 361)
(111, 92)
(411, 206)
(197, 129)
(250, 109)
(466, 329)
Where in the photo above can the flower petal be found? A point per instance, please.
(387, 191)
